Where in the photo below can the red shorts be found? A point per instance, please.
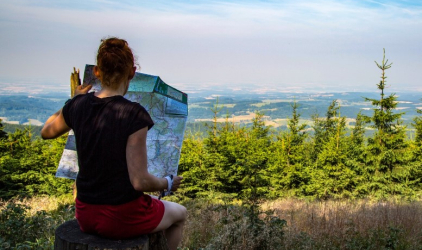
(131, 219)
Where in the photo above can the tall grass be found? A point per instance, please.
(350, 225)
(361, 224)
(282, 224)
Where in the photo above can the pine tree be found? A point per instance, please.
(417, 124)
(288, 157)
(295, 138)
(331, 177)
(356, 154)
(3, 137)
(28, 165)
(197, 180)
(387, 147)
(3, 134)
(414, 178)
(324, 128)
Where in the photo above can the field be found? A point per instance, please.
(279, 224)
(35, 110)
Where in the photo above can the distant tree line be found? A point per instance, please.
(20, 108)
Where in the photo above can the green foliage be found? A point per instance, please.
(240, 229)
(28, 166)
(388, 152)
(323, 160)
(3, 134)
(417, 124)
(288, 155)
(334, 161)
(20, 229)
(11, 128)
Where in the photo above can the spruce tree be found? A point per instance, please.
(28, 165)
(288, 157)
(295, 138)
(2, 133)
(417, 124)
(198, 181)
(330, 177)
(387, 148)
(414, 179)
(324, 128)
(356, 154)
(252, 159)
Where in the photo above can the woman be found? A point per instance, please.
(111, 134)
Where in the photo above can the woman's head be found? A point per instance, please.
(115, 62)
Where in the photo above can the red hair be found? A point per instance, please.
(115, 62)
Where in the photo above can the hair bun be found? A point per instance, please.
(115, 61)
(114, 43)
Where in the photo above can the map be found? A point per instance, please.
(168, 108)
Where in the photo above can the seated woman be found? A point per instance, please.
(111, 134)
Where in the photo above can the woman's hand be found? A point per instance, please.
(177, 180)
(80, 90)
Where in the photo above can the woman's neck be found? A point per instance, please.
(107, 92)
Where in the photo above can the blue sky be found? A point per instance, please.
(290, 45)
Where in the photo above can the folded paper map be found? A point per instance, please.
(168, 108)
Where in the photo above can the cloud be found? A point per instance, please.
(293, 43)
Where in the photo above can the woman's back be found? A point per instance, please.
(102, 127)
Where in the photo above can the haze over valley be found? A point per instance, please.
(27, 106)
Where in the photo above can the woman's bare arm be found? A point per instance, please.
(55, 126)
(136, 157)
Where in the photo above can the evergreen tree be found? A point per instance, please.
(414, 178)
(288, 158)
(217, 165)
(3, 137)
(324, 128)
(28, 166)
(387, 148)
(356, 154)
(331, 177)
(197, 180)
(417, 124)
(295, 138)
(253, 162)
(3, 134)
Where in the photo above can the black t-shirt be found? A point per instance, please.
(102, 127)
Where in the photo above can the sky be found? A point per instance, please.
(284, 46)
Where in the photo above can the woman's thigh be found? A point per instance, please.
(173, 213)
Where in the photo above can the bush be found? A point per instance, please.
(22, 229)
(28, 166)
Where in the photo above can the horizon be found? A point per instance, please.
(32, 90)
(305, 45)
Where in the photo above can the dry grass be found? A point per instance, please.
(312, 225)
(31, 223)
(348, 225)
(40, 203)
(339, 219)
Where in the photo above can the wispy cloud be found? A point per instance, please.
(292, 43)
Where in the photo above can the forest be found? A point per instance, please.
(233, 171)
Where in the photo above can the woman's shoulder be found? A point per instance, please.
(131, 105)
